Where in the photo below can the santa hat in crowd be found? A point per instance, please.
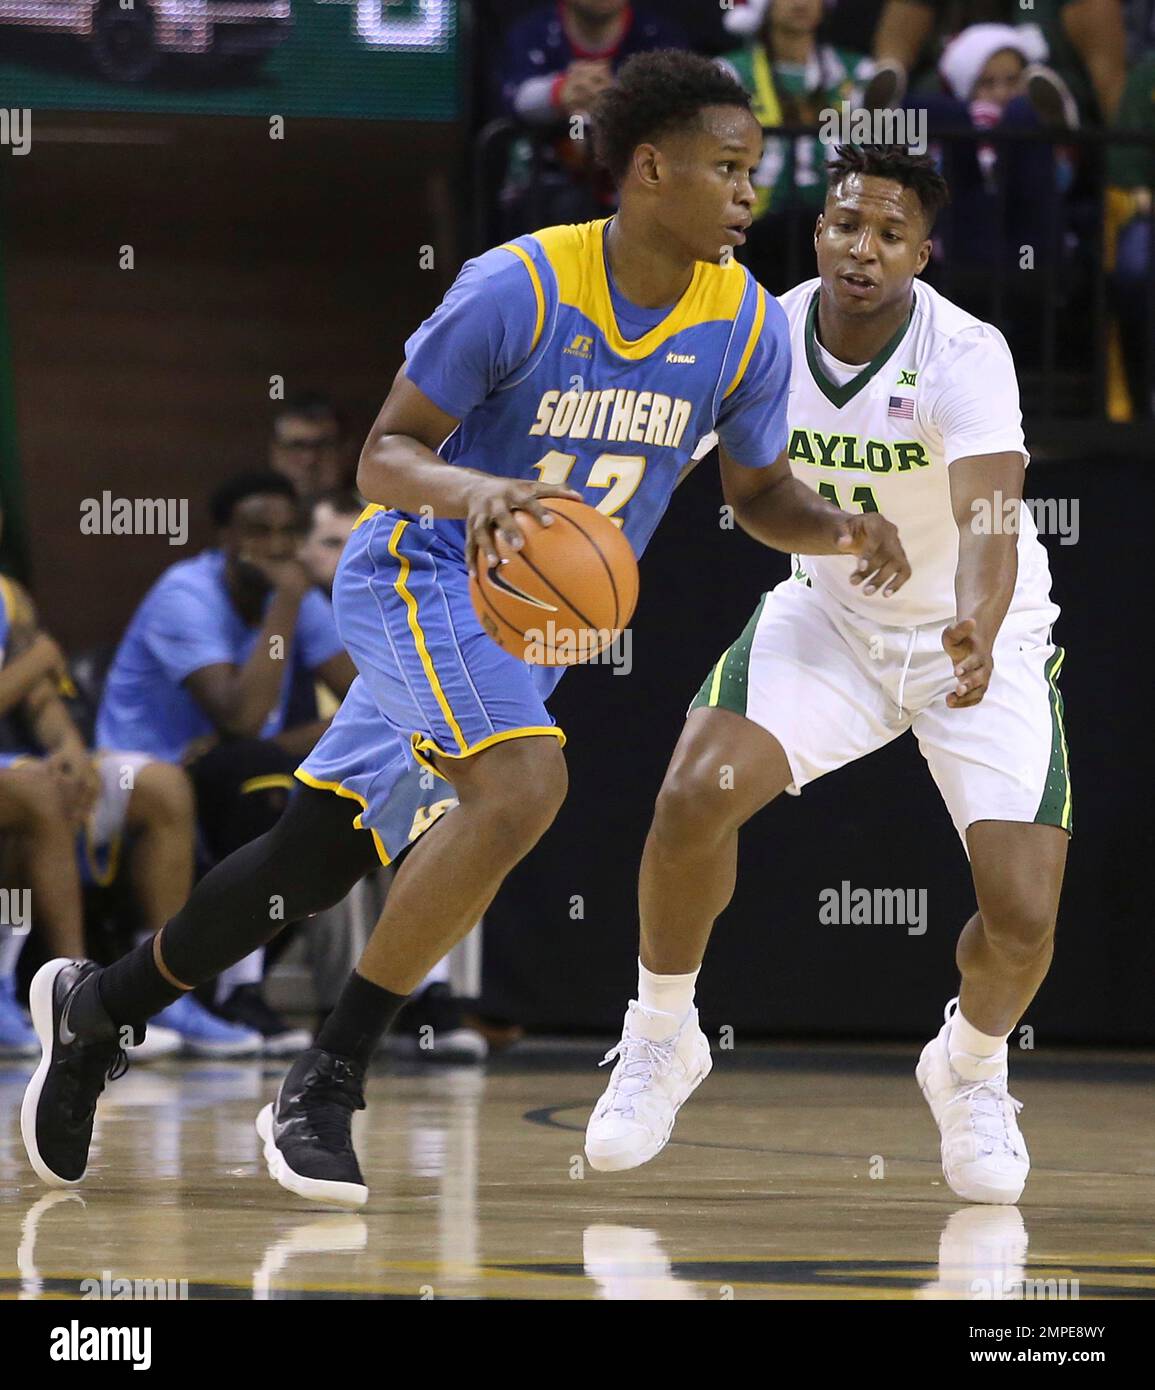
(745, 18)
(964, 58)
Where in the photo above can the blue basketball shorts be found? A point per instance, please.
(430, 681)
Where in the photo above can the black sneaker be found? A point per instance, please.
(247, 1007)
(307, 1129)
(76, 1059)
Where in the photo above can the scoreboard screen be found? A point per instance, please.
(381, 59)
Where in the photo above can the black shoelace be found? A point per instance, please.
(333, 1093)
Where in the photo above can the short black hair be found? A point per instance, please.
(655, 93)
(914, 171)
(309, 405)
(228, 497)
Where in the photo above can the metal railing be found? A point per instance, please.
(1060, 315)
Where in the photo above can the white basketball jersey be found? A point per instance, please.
(943, 388)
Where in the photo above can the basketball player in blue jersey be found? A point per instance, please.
(583, 361)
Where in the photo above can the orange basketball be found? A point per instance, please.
(566, 595)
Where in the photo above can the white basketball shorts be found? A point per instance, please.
(831, 686)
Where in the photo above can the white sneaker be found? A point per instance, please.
(656, 1074)
(984, 1155)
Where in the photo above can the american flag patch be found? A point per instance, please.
(901, 407)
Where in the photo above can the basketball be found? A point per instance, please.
(563, 597)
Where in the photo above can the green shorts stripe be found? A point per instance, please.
(727, 685)
(1055, 807)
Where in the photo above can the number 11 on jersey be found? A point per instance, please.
(863, 495)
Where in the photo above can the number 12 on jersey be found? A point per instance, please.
(621, 473)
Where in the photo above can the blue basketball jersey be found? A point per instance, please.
(554, 377)
(528, 353)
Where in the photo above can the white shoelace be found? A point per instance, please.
(641, 1057)
(988, 1102)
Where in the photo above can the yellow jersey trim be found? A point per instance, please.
(371, 510)
(751, 341)
(422, 744)
(538, 293)
(358, 824)
(419, 636)
(576, 257)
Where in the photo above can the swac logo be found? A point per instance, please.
(581, 346)
(686, 357)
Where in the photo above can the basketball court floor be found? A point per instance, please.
(796, 1172)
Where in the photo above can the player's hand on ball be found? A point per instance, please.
(882, 562)
(973, 663)
(491, 507)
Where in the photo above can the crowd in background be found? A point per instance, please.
(1029, 77)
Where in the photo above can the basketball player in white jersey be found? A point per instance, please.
(903, 403)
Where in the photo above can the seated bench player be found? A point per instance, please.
(203, 676)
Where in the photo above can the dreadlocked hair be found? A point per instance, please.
(914, 171)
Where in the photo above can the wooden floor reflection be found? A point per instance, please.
(796, 1172)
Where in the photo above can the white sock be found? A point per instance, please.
(666, 994)
(11, 944)
(975, 1056)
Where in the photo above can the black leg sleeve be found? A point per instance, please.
(306, 863)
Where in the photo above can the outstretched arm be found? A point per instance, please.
(776, 508)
